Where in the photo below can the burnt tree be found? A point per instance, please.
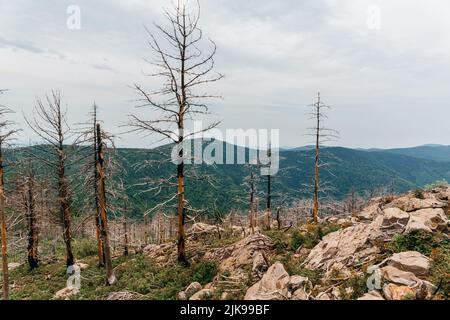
(321, 134)
(110, 277)
(186, 72)
(6, 133)
(49, 122)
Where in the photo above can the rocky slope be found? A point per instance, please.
(356, 251)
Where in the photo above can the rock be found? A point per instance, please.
(324, 296)
(302, 251)
(391, 219)
(300, 294)
(398, 292)
(123, 295)
(236, 258)
(395, 275)
(342, 248)
(411, 261)
(273, 285)
(369, 213)
(13, 265)
(259, 266)
(182, 295)
(199, 229)
(225, 296)
(191, 289)
(66, 293)
(409, 203)
(372, 295)
(82, 266)
(161, 253)
(299, 282)
(429, 220)
(203, 294)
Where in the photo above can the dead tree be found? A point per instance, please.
(6, 133)
(31, 216)
(321, 135)
(110, 277)
(269, 190)
(49, 122)
(125, 230)
(88, 138)
(186, 71)
(252, 208)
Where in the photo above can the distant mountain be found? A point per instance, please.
(346, 169)
(432, 152)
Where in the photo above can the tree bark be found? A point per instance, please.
(180, 167)
(100, 253)
(252, 202)
(33, 237)
(110, 277)
(5, 270)
(316, 166)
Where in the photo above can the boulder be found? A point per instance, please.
(259, 266)
(428, 220)
(398, 292)
(372, 295)
(273, 285)
(203, 294)
(82, 266)
(369, 213)
(182, 295)
(199, 229)
(409, 203)
(299, 282)
(161, 253)
(122, 295)
(342, 248)
(66, 293)
(398, 276)
(192, 289)
(235, 258)
(300, 294)
(411, 261)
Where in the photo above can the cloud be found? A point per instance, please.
(386, 85)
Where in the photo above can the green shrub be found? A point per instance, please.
(418, 194)
(85, 248)
(417, 240)
(204, 272)
(440, 271)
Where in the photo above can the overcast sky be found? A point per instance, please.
(387, 80)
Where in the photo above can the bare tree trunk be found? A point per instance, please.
(316, 166)
(278, 218)
(125, 231)
(65, 208)
(180, 167)
(3, 231)
(33, 239)
(100, 253)
(252, 202)
(110, 277)
(269, 199)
